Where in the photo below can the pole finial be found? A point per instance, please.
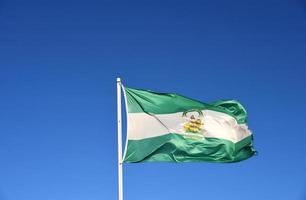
(118, 80)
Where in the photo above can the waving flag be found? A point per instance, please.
(173, 128)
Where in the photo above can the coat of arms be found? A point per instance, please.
(193, 125)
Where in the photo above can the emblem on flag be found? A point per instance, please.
(193, 125)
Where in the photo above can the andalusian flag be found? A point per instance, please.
(173, 128)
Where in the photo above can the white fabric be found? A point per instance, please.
(215, 125)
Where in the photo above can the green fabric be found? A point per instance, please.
(164, 103)
(176, 148)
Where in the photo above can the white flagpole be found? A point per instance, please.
(119, 129)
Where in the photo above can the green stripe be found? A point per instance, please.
(164, 103)
(176, 148)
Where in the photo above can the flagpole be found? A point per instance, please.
(119, 129)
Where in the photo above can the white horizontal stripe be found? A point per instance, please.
(216, 125)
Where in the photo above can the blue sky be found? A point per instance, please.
(58, 66)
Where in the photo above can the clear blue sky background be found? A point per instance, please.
(58, 64)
